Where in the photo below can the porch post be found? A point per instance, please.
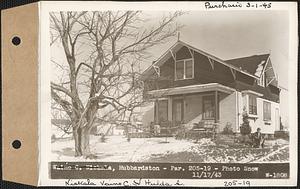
(170, 109)
(156, 112)
(216, 107)
(183, 108)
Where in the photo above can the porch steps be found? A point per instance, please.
(191, 123)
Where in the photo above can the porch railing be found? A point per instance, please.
(203, 128)
(165, 128)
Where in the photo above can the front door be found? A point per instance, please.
(178, 110)
(162, 113)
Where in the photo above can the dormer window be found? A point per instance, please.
(184, 69)
(260, 73)
(261, 80)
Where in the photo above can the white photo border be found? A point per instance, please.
(45, 74)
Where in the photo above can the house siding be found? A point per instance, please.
(259, 121)
(204, 73)
(193, 110)
(228, 111)
(193, 104)
(230, 106)
(148, 115)
(268, 92)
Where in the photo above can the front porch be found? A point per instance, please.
(194, 105)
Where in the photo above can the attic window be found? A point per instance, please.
(260, 73)
(184, 69)
(259, 69)
(261, 80)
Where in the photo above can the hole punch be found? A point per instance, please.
(16, 40)
(16, 144)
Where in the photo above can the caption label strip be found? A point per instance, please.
(126, 170)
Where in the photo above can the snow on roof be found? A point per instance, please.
(259, 69)
(250, 63)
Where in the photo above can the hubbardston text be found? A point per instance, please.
(138, 168)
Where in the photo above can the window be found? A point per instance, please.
(162, 110)
(189, 68)
(208, 107)
(180, 69)
(184, 69)
(178, 110)
(267, 111)
(261, 81)
(252, 105)
(260, 73)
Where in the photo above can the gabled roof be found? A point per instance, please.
(161, 60)
(250, 63)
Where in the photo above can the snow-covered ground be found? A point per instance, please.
(118, 149)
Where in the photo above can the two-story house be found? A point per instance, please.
(188, 85)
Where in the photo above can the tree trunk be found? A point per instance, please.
(76, 136)
(82, 142)
(85, 142)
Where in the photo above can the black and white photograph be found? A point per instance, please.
(171, 86)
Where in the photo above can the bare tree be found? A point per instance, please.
(102, 52)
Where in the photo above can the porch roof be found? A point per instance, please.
(191, 89)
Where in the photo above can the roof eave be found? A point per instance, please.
(191, 89)
(219, 60)
(199, 51)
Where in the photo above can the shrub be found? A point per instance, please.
(227, 129)
(245, 127)
(282, 135)
(102, 137)
(180, 133)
